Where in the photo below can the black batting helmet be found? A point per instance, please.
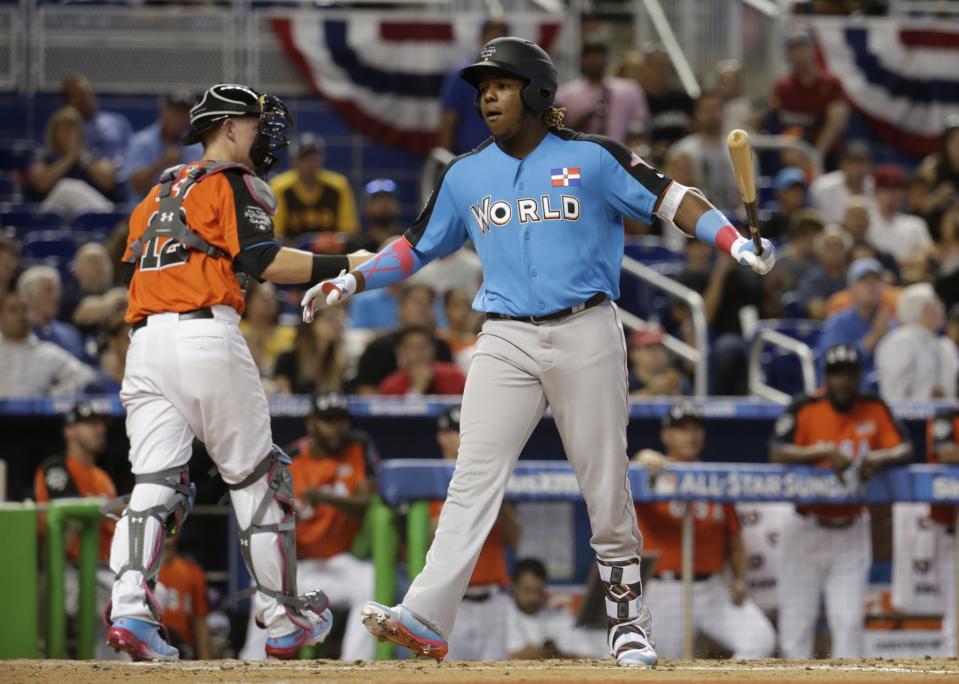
(842, 356)
(226, 100)
(522, 58)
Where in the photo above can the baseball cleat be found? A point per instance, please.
(402, 628)
(285, 647)
(140, 639)
(632, 646)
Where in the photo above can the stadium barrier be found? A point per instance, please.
(415, 482)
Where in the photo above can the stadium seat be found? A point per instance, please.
(15, 153)
(23, 222)
(102, 223)
(56, 248)
(650, 249)
(781, 368)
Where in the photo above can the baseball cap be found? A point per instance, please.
(789, 176)
(82, 411)
(860, 268)
(889, 176)
(643, 338)
(307, 142)
(681, 412)
(329, 405)
(449, 419)
(842, 355)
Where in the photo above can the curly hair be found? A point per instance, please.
(554, 118)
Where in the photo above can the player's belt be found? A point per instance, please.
(676, 576)
(596, 299)
(205, 312)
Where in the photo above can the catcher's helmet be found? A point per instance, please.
(226, 100)
(521, 58)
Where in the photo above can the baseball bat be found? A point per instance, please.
(741, 153)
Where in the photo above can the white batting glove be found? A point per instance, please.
(327, 293)
(744, 251)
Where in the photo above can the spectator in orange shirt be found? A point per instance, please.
(77, 475)
(720, 609)
(181, 593)
(334, 479)
(419, 372)
(480, 629)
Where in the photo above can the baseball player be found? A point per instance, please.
(480, 629)
(334, 479)
(827, 549)
(721, 609)
(544, 207)
(942, 439)
(189, 372)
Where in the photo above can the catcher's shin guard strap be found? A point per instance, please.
(623, 587)
(275, 467)
(169, 516)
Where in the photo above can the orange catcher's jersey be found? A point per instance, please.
(868, 426)
(222, 209)
(942, 429)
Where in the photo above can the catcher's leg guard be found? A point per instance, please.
(158, 507)
(274, 469)
(630, 635)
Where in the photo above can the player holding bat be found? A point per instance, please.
(544, 206)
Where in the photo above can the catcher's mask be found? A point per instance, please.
(227, 100)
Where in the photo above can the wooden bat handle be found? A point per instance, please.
(740, 151)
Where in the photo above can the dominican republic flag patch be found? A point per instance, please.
(564, 177)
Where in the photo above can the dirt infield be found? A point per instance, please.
(529, 672)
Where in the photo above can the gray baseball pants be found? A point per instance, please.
(577, 367)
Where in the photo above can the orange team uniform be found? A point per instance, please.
(491, 565)
(942, 429)
(812, 420)
(223, 211)
(59, 478)
(329, 531)
(661, 523)
(181, 592)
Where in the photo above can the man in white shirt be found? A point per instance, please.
(831, 192)
(905, 237)
(601, 104)
(535, 630)
(33, 368)
(914, 361)
(707, 148)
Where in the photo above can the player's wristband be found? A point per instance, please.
(326, 266)
(714, 228)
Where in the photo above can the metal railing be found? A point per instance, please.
(757, 379)
(698, 355)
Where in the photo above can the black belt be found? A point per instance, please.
(676, 576)
(184, 316)
(478, 598)
(596, 299)
(830, 523)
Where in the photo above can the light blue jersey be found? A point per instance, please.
(548, 228)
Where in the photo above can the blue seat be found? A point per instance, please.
(56, 248)
(15, 153)
(781, 368)
(24, 222)
(650, 249)
(102, 223)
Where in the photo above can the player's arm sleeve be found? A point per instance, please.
(633, 188)
(249, 224)
(437, 232)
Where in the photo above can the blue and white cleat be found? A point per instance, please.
(404, 629)
(285, 647)
(631, 646)
(140, 639)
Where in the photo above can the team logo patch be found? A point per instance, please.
(941, 429)
(255, 215)
(865, 428)
(56, 479)
(565, 176)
